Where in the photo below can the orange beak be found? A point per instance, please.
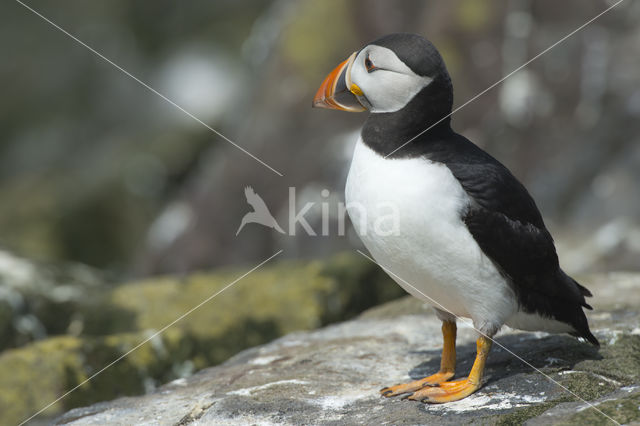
(336, 91)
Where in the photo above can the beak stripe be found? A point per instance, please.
(336, 89)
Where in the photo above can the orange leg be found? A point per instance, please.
(456, 390)
(447, 365)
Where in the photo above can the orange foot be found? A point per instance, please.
(445, 391)
(432, 380)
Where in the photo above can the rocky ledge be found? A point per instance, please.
(332, 375)
(81, 324)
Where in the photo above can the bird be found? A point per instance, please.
(470, 239)
(260, 213)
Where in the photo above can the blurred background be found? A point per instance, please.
(103, 181)
(96, 169)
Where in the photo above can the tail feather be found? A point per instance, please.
(579, 319)
(591, 338)
(583, 290)
(588, 336)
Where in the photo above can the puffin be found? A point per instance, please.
(469, 239)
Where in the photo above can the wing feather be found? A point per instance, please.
(507, 225)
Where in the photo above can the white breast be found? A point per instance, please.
(408, 215)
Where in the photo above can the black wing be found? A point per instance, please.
(507, 225)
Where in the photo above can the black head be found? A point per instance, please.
(416, 52)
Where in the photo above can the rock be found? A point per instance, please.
(275, 300)
(38, 300)
(332, 375)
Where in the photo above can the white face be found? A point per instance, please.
(387, 82)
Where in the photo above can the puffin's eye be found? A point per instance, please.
(369, 65)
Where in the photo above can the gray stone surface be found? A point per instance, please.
(332, 375)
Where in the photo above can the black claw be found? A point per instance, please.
(384, 389)
(406, 396)
(387, 392)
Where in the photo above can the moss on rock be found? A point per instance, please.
(622, 410)
(34, 376)
(523, 414)
(588, 386)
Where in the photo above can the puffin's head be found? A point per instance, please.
(384, 76)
